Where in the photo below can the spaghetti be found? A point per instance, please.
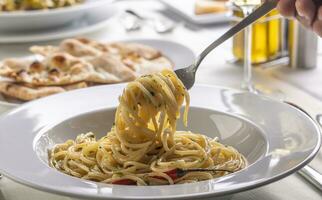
(143, 147)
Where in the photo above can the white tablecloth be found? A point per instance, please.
(214, 70)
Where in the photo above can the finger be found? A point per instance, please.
(317, 27)
(319, 15)
(306, 9)
(305, 22)
(286, 7)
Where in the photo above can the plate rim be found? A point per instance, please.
(80, 30)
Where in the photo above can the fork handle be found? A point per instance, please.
(311, 175)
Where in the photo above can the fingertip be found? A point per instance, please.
(317, 27)
(286, 8)
(320, 13)
(305, 8)
(299, 7)
(279, 8)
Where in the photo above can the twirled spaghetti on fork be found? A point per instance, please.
(143, 147)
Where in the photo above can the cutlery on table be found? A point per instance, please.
(312, 176)
(130, 22)
(160, 25)
(307, 172)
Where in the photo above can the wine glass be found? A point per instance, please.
(247, 6)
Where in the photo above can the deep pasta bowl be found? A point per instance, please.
(276, 139)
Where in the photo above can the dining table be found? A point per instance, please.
(300, 86)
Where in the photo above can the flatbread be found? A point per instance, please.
(7, 66)
(106, 63)
(134, 49)
(44, 50)
(78, 49)
(76, 86)
(82, 47)
(75, 62)
(25, 93)
(143, 66)
(64, 69)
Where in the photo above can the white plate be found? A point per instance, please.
(22, 21)
(276, 138)
(89, 22)
(185, 8)
(178, 54)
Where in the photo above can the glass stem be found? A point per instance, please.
(247, 58)
(247, 82)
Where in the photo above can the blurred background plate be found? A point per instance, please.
(187, 12)
(89, 22)
(31, 20)
(178, 54)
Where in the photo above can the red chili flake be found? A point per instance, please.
(172, 173)
(124, 182)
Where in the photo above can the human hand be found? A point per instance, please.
(310, 14)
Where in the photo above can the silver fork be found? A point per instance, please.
(187, 75)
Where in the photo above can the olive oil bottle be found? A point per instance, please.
(266, 38)
(302, 46)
